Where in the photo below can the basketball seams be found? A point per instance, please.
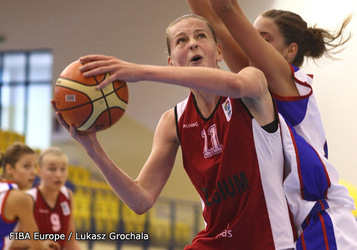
(117, 89)
(78, 82)
(97, 111)
(88, 90)
(104, 77)
(113, 102)
(106, 104)
(86, 107)
(104, 96)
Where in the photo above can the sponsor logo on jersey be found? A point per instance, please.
(65, 208)
(226, 188)
(190, 125)
(43, 211)
(227, 109)
(227, 233)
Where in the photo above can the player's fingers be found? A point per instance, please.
(92, 65)
(89, 58)
(73, 131)
(53, 104)
(93, 71)
(61, 121)
(58, 114)
(107, 81)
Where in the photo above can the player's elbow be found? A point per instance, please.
(141, 211)
(251, 82)
(222, 8)
(142, 205)
(143, 208)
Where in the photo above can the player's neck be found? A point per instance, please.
(50, 195)
(206, 102)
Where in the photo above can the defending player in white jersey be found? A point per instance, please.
(277, 44)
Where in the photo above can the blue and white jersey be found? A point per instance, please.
(321, 208)
(6, 226)
(302, 113)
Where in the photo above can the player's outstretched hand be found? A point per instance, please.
(119, 70)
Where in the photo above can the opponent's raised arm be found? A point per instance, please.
(234, 57)
(256, 45)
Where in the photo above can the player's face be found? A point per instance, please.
(53, 171)
(269, 30)
(24, 171)
(192, 44)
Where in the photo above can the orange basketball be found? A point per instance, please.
(85, 107)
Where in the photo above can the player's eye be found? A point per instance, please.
(27, 166)
(180, 40)
(266, 38)
(202, 35)
(52, 169)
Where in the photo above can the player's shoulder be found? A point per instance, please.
(166, 128)
(66, 192)
(169, 114)
(18, 198)
(181, 107)
(32, 192)
(17, 203)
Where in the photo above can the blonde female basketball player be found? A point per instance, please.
(227, 128)
(53, 197)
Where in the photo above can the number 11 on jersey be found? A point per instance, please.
(216, 147)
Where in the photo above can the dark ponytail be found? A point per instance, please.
(312, 41)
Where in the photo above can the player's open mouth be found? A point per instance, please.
(196, 58)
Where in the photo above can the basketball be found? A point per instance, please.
(84, 106)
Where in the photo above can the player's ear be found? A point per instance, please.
(9, 169)
(219, 52)
(169, 61)
(291, 52)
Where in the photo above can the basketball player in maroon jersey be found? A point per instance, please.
(227, 129)
(52, 200)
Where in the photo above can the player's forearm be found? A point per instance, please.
(123, 185)
(212, 80)
(233, 54)
(247, 83)
(203, 8)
